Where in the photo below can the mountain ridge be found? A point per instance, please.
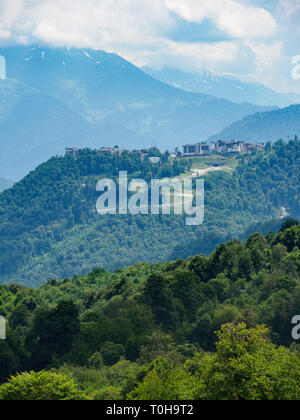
(5, 184)
(264, 127)
(224, 86)
(95, 92)
(49, 227)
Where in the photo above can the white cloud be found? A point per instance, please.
(89, 23)
(266, 54)
(290, 7)
(94, 22)
(4, 33)
(139, 30)
(238, 20)
(205, 55)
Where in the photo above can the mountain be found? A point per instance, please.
(228, 87)
(206, 328)
(57, 97)
(264, 127)
(38, 126)
(5, 184)
(49, 227)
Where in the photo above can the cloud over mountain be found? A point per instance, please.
(252, 39)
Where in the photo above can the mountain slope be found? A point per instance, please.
(38, 127)
(227, 87)
(106, 101)
(49, 227)
(120, 334)
(5, 184)
(264, 127)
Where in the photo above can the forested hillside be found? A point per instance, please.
(49, 227)
(148, 331)
(264, 126)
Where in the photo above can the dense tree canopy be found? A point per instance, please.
(216, 327)
(49, 227)
(41, 386)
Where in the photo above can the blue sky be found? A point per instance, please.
(255, 40)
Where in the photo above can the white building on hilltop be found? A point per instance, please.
(220, 147)
(231, 146)
(234, 146)
(198, 149)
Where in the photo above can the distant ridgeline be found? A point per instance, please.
(82, 97)
(149, 331)
(4, 184)
(50, 229)
(264, 126)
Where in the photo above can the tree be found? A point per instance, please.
(158, 345)
(8, 361)
(112, 353)
(245, 265)
(43, 386)
(257, 244)
(53, 332)
(165, 382)
(203, 332)
(289, 237)
(247, 366)
(19, 317)
(225, 314)
(289, 223)
(158, 295)
(96, 361)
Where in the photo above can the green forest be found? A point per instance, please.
(49, 227)
(203, 328)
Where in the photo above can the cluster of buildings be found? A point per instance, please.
(220, 147)
(198, 149)
(189, 150)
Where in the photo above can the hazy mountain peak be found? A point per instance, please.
(264, 126)
(225, 86)
(84, 97)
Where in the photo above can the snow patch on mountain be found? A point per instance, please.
(88, 55)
